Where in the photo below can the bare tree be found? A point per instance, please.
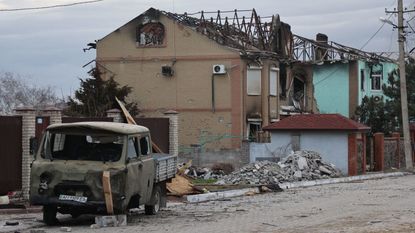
(16, 92)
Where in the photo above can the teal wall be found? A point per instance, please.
(367, 90)
(331, 88)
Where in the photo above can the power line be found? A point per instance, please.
(51, 6)
(373, 36)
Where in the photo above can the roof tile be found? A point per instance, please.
(335, 122)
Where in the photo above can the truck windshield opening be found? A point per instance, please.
(63, 146)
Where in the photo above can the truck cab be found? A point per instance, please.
(67, 171)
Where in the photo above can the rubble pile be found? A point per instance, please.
(204, 173)
(217, 171)
(298, 166)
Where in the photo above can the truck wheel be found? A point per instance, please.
(49, 215)
(155, 201)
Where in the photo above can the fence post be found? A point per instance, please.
(28, 130)
(55, 114)
(363, 153)
(173, 132)
(115, 114)
(397, 137)
(379, 157)
(352, 154)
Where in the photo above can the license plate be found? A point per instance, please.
(73, 198)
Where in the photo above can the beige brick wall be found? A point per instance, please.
(28, 131)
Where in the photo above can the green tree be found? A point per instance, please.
(95, 96)
(386, 115)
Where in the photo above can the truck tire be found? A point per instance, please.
(155, 201)
(49, 215)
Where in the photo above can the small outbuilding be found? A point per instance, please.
(334, 136)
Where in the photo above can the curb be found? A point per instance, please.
(220, 195)
(302, 184)
(309, 183)
(29, 210)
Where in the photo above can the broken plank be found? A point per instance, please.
(106, 184)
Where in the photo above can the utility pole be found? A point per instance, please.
(402, 78)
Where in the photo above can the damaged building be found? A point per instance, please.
(229, 74)
(341, 76)
(220, 70)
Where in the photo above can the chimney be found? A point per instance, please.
(321, 52)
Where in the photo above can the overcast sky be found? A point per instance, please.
(45, 46)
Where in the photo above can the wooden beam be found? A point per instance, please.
(106, 184)
(131, 121)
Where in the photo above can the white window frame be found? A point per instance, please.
(273, 83)
(377, 76)
(250, 89)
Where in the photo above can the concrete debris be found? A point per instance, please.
(111, 221)
(298, 166)
(217, 171)
(65, 229)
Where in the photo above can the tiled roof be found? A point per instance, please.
(333, 122)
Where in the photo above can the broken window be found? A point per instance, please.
(76, 146)
(253, 78)
(299, 87)
(150, 34)
(376, 82)
(362, 79)
(253, 129)
(132, 148)
(376, 76)
(145, 145)
(273, 77)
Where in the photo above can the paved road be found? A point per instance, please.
(386, 205)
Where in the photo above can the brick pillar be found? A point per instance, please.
(54, 114)
(352, 154)
(379, 157)
(116, 115)
(28, 131)
(173, 131)
(397, 137)
(364, 153)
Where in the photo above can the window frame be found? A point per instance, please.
(377, 76)
(250, 91)
(275, 86)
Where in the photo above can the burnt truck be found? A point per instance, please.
(67, 171)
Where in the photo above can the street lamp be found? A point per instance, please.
(383, 20)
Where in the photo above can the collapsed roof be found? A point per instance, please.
(264, 37)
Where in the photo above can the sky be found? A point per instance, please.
(45, 46)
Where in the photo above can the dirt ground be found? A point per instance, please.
(385, 205)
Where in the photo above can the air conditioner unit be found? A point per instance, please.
(219, 69)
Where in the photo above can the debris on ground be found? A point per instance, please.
(181, 185)
(298, 166)
(65, 229)
(110, 221)
(217, 171)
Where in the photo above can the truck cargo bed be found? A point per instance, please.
(165, 166)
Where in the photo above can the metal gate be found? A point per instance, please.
(10, 154)
(159, 129)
